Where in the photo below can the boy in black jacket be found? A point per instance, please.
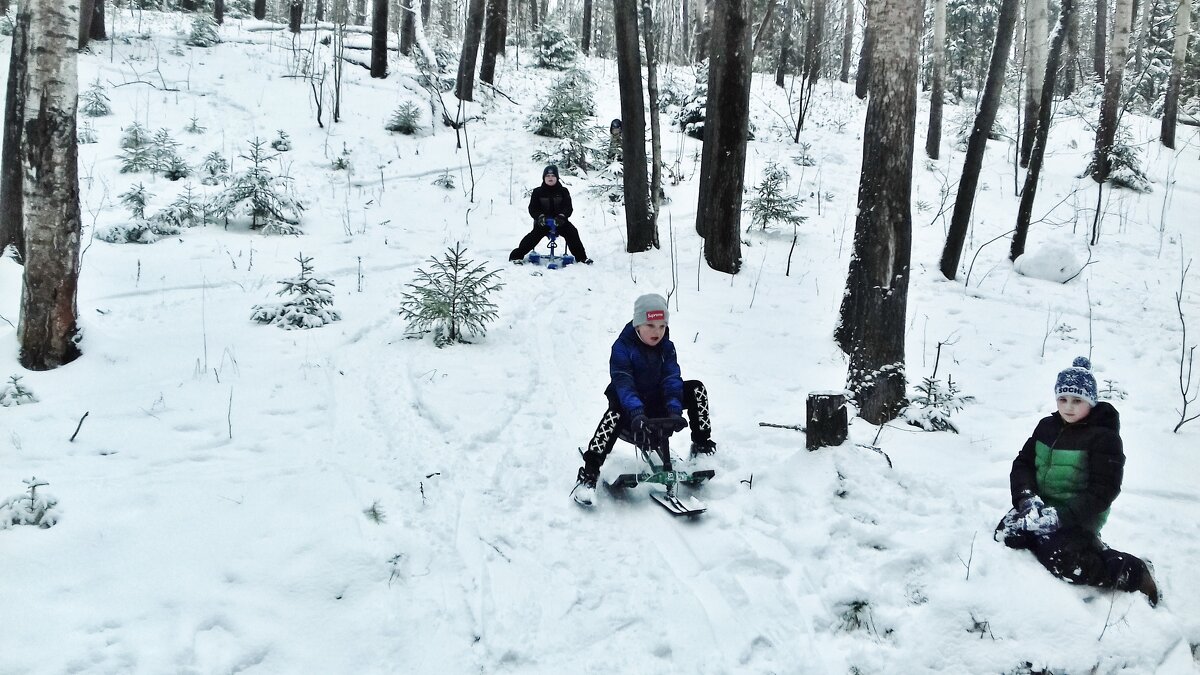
(550, 200)
(1063, 483)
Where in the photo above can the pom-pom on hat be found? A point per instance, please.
(1077, 381)
(550, 170)
(649, 308)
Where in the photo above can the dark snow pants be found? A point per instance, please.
(1079, 557)
(540, 231)
(615, 421)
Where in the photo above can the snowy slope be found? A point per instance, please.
(212, 504)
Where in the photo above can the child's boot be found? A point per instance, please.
(703, 446)
(585, 489)
(1148, 586)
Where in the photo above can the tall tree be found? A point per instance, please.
(379, 36)
(493, 38)
(1183, 27)
(814, 37)
(533, 16)
(863, 77)
(1035, 70)
(1071, 70)
(87, 9)
(260, 9)
(97, 31)
(12, 170)
(985, 119)
(655, 129)
(1100, 39)
(48, 331)
(872, 318)
(848, 38)
(639, 225)
(1110, 104)
(933, 139)
(219, 11)
(295, 16)
(726, 125)
(464, 86)
(585, 39)
(407, 27)
(785, 42)
(1038, 155)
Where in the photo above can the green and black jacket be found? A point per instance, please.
(1076, 468)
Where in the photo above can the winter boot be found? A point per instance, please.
(703, 446)
(1148, 586)
(585, 489)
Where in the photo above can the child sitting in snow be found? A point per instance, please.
(646, 383)
(1063, 482)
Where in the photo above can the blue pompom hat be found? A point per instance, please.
(1077, 381)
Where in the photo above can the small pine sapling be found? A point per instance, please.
(194, 126)
(932, 406)
(770, 204)
(13, 393)
(213, 169)
(140, 230)
(165, 150)
(342, 161)
(30, 508)
(567, 114)
(804, 157)
(135, 199)
(185, 211)
(282, 142)
(405, 119)
(138, 158)
(86, 134)
(94, 102)
(308, 301)
(556, 48)
(445, 180)
(134, 136)
(261, 195)
(451, 299)
(204, 32)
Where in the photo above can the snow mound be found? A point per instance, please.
(1055, 262)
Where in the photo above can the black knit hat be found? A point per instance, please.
(550, 170)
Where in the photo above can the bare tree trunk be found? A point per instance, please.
(493, 39)
(1071, 70)
(379, 35)
(655, 129)
(1038, 155)
(785, 42)
(1109, 105)
(1183, 28)
(585, 40)
(726, 125)
(96, 29)
(318, 12)
(872, 318)
(464, 87)
(811, 69)
(848, 40)
(862, 79)
(260, 9)
(87, 9)
(1035, 70)
(12, 170)
(407, 15)
(219, 11)
(533, 17)
(360, 12)
(1100, 39)
(685, 31)
(964, 201)
(47, 331)
(639, 222)
(295, 16)
(703, 29)
(933, 139)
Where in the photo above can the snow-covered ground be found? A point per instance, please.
(212, 505)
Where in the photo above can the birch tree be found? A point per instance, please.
(1036, 37)
(47, 331)
(872, 317)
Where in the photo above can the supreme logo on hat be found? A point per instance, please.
(655, 315)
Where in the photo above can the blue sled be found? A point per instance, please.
(553, 262)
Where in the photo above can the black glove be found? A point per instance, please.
(541, 220)
(678, 423)
(638, 423)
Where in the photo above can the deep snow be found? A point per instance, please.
(212, 505)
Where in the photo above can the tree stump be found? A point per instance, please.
(827, 422)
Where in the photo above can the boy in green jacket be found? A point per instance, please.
(1063, 483)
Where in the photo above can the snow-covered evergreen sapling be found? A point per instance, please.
(194, 126)
(86, 134)
(139, 230)
(556, 47)
(185, 211)
(261, 195)
(213, 169)
(445, 180)
(691, 114)
(452, 298)
(14, 393)
(94, 102)
(135, 199)
(282, 142)
(567, 114)
(406, 119)
(204, 32)
(30, 508)
(133, 136)
(770, 204)
(308, 301)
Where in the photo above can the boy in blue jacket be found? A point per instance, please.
(1063, 484)
(646, 383)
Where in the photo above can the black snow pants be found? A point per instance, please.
(540, 231)
(1080, 557)
(615, 421)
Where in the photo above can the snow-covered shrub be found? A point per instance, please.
(185, 211)
(282, 142)
(137, 158)
(934, 403)
(1127, 165)
(804, 157)
(94, 102)
(14, 393)
(770, 204)
(556, 47)
(567, 114)
(86, 134)
(134, 136)
(135, 199)
(406, 119)
(445, 181)
(214, 168)
(260, 194)
(30, 508)
(451, 299)
(308, 301)
(690, 116)
(194, 126)
(139, 230)
(204, 32)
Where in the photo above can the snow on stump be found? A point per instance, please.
(1055, 262)
(828, 423)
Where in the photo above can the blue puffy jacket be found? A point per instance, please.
(645, 379)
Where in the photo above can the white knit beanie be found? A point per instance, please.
(649, 308)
